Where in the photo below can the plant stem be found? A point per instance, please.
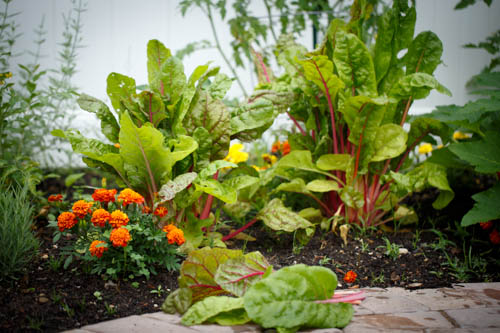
(296, 123)
(234, 233)
(208, 204)
(219, 48)
(268, 8)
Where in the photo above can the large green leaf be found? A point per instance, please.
(418, 86)
(257, 115)
(172, 187)
(484, 155)
(198, 271)
(157, 55)
(277, 217)
(383, 45)
(424, 53)
(354, 64)
(121, 90)
(296, 185)
(351, 197)
(214, 166)
(219, 190)
(173, 80)
(242, 181)
(486, 207)
(300, 159)
(236, 275)
(147, 107)
(202, 154)
(178, 300)
(333, 162)
(181, 147)
(322, 185)
(219, 86)
(109, 125)
(286, 299)
(389, 142)
(212, 115)
(209, 309)
(319, 69)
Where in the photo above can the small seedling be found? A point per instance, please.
(135, 284)
(391, 249)
(364, 246)
(378, 279)
(159, 291)
(35, 323)
(324, 261)
(55, 263)
(69, 311)
(110, 308)
(98, 295)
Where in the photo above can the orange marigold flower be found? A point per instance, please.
(146, 210)
(104, 195)
(129, 196)
(120, 237)
(100, 217)
(117, 145)
(176, 236)
(285, 149)
(66, 220)
(160, 211)
(486, 225)
(350, 277)
(118, 219)
(97, 251)
(55, 197)
(495, 237)
(276, 147)
(169, 228)
(82, 208)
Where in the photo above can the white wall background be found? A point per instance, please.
(116, 32)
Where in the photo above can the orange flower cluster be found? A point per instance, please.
(146, 210)
(128, 196)
(100, 217)
(174, 234)
(278, 146)
(104, 195)
(160, 211)
(97, 251)
(486, 225)
(55, 197)
(118, 219)
(82, 208)
(350, 277)
(120, 237)
(495, 237)
(66, 220)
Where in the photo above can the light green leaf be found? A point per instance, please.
(389, 142)
(486, 207)
(351, 197)
(319, 69)
(311, 214)
(109, 125)
(211, 307)
(120, 89)
(157, 55)
(217, 189)
(249, 117)
(418, 86)
(72, 178)
(181, 147)
(219, 86)
(202, 154)
(178, 301)
(212, 168)
(172, 187)
(172, 80)
(354, 64)
(286, 299)
(333, 162)
(322, 185)
(295, 185)
(241, 181)
(277, 217)
(300, 159)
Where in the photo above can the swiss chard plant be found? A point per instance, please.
(228, 287)
(167, 140)
(350, 105)
(481, 150)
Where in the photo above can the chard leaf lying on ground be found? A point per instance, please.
(288, 299)
(223, 310)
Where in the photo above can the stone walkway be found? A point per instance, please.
(467, 307)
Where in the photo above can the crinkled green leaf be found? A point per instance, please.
(383, 44)
(212, 168)
(120, 89)
(147, 107)
(178, 301)
(286, 298)
(211, 307)
(486, 207)
(277, 217)
(109, 125)
(198, 271)
(354, 64)
(299, 159)
(172, 187)
(389, 142)
(181, 147)
(333, 162)
(241, 181)
(484, 154)
(219, 190)
(220, 86)
(213, 115)
(418, 86)
(322, 185)
(295, 185)
(311, 214)
(253, 117)
(172, 80)
(157, 55)
(236, 275)
(424, 53)
(238, 210)
(319, 69)
(352, 197)
(202, 154)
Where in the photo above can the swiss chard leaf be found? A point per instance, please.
(211, 308)
(277, 217)
(157, 55)
(424, 53)
(417, 86)
(121, 90)
(172, 187)
(109, 125)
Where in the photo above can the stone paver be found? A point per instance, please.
(465, 308)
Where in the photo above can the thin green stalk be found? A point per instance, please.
(269, 17)
(219, 48)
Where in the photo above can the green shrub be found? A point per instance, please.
(18, 244)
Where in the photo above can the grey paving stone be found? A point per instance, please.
(360, 328)
(77, 330)
(388, 302)
(481, 285)
(137, 324)
(401, 321)
(447, 298)
(461, 330)
(476, 318)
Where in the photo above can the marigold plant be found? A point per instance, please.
(66, 220)
(176, 236)
(128, 196)
(120, 237)
(96, 250)
(55, 198)
(104, 195)
(160, 211)
(100, 217)
(82, 208)
(350, 277)
(118, 219)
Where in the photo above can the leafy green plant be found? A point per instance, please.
(349, 105)
(263, 296)
(18, 244)
(391, 249)
(114, 236)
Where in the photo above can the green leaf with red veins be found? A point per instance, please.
(198, 271)
(157, 55)
(121, 89)
(238, 274)
(278, 217)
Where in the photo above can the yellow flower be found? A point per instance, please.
(424, 148)
(235, 155)
(270, 159)
(255, 167)
(460, 136)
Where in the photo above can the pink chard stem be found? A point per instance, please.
(243, 228)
